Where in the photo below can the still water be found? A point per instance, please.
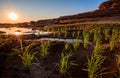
(65, 40)
(18, 31)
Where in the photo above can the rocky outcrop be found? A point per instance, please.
(109, 4)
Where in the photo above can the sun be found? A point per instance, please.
(13, 16)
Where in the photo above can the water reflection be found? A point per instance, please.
(19, 31)
(65, 40)
(14, 30)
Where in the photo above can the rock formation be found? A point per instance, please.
(109, 4)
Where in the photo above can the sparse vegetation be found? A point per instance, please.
(106, 31)
(85, 39)
(76, 44)
(44, 49)
(112, 43)
(90, 55)
(94, 66)
(26, 54)
(65, 64)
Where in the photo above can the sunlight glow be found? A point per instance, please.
(13, 16)
(17, 32)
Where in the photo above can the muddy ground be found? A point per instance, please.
(12, 67)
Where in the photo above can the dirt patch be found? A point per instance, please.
(12, 67)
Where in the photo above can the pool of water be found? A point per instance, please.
(65, 40)
(17, 31)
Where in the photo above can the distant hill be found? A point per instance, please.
(109, 11)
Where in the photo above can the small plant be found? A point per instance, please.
(78, 33)
(112, 43)
(97, 48)
(95, 35)
(99, 30)
(94, 65)
(115, 32)
(73, 34)
(65, 64)
(38, 34)
(65, 35)
(69, 28)
(106, 31)
(59, 34)
(54, 33)
(44, 49)
(85, 39)
(76, 45)
(66, 48)
(26, 54)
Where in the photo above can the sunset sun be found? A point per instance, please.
(13, 16)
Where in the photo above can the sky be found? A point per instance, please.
(33, 10)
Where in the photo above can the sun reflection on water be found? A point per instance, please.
(17, 33)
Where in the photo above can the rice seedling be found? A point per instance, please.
(66, 48)
(38, 33)
(53, 32)
(58, 29)
(95, 35)
(97, 48)
(65, 64)
(78, 33)
(69, 28)
(76, 45)
(26, 54)
(91, 32)
(99, 30)
(114, 32)
(73, 34)
(44, 49)
(65, 35)
(85, 39)
(112, 43)
(59, 34)
(94, 64)
(47, 28)
(106, 31)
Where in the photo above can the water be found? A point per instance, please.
(65, 40)
(12, 30)
(18, 31)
